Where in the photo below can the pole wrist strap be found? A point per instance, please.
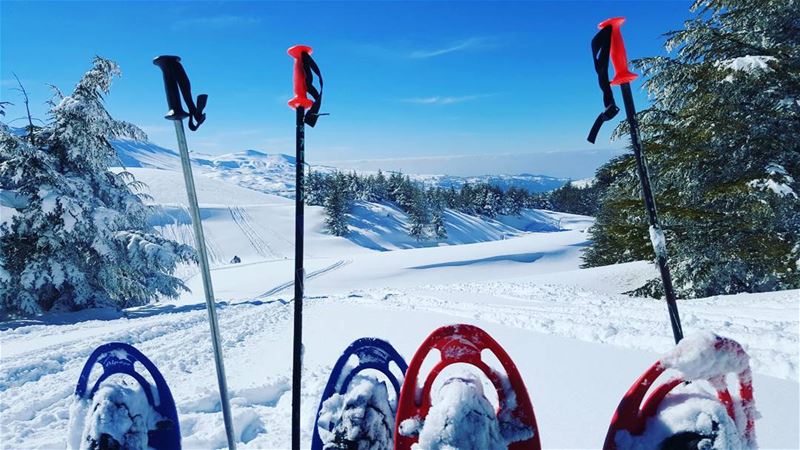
(601, 49)
(310, 68)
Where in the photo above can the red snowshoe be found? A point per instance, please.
(695, 408)
(514, 419)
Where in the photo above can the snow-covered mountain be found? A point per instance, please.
(268, 173)
(274, 173)
(533, 183)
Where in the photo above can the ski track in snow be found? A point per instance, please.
(283, 286)
(242, 218)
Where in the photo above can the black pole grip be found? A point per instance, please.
(177, 85)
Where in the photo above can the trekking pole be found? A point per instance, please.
(303, 85)
(608, 42)
(177, 82)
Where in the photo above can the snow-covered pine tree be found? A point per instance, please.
(418, 214)
(380, 187)
(574, 199)
(437, 223)
(402, 191)
(317, 185)
(356, 186)
(337, 204)
(436, 202)
(79, 236)
(722, 144)
(490, 200)
(514, 201)
(467, 199)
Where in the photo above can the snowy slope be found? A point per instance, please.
(146, 154)
(577, 341)
(255, 226)
(570, 381)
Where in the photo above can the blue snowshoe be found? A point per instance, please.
(356, 411)
(124, 412)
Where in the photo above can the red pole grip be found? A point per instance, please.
(618, 56)
(300, 94)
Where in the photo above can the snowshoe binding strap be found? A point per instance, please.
(601, 49)
(176, 84)
(464, 344)
(304, 70)
(121, 358)
(372, 353)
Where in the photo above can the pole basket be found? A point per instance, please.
(711, 364)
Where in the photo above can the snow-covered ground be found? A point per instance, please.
(577, 342)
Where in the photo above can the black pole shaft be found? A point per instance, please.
(299, 278)
(652, 215)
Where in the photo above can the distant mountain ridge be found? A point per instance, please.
(268, 173)
(275, 173)
(533, 183)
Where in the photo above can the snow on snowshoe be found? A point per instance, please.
(122, 409)
(356, 411)
(461, 415)
(693, 410)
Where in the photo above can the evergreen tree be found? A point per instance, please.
(437, 223)
(722, 145)
(576, 200)
(418, 215)
(316, 188)
(514, 201)
(79, 236)
(337, 204)
(380, 187)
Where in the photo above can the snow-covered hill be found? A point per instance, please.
(271, 174)
(274, 173)
(253, 225)
(576, 340)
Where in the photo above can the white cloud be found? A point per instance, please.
(466, 44)
(444, 100)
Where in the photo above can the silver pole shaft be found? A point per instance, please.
(200, 243)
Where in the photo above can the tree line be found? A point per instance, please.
(424, 206)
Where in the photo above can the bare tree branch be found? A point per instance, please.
(27, 108)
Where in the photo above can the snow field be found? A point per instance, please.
(558, 371)
(577, 342)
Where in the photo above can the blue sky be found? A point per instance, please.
(403, 80)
